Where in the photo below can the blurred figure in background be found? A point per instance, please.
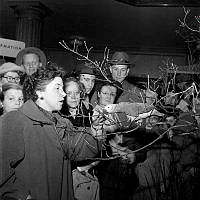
(31, 58)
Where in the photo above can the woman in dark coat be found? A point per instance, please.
(37, 145)
(74, 107)
(86, 184)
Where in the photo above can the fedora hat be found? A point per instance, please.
(37, 51)
(10, 67)
(86, 68)
(120, 58)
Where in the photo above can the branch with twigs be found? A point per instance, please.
(100, 66)
(183, 22)
(97, 65)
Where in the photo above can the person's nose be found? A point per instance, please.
(12, 80)
(90, 83)
(18, 102)
(108, 96)
(29, 65)
(63, 93)
(73, 95)
(118, 72)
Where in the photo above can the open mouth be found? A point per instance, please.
(61, 101)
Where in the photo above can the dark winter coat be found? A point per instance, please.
(35, 154)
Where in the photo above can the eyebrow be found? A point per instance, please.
(59, 84)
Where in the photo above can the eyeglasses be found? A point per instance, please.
(11, 79)
(109, 94)
(70, 94)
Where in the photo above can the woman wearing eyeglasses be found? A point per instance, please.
(116, 175)
(107, 93)
(85, 182)
(74, 108)
(10, 73)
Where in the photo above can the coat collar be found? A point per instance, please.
(31, 110)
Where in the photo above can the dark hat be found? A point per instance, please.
(37, 51)
(120, 58)
(86, 68)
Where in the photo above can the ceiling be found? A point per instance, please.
(107, 23)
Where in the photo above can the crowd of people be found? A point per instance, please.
(66, 136)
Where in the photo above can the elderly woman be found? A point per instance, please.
(36, 150)
(11, 97)
(74, 108)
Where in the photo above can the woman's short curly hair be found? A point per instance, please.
(80, 85)
(40, 79)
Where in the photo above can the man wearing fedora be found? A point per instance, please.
(119, 68)
(86, 76)
(31, 58)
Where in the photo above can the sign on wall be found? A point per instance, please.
(10, 48)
